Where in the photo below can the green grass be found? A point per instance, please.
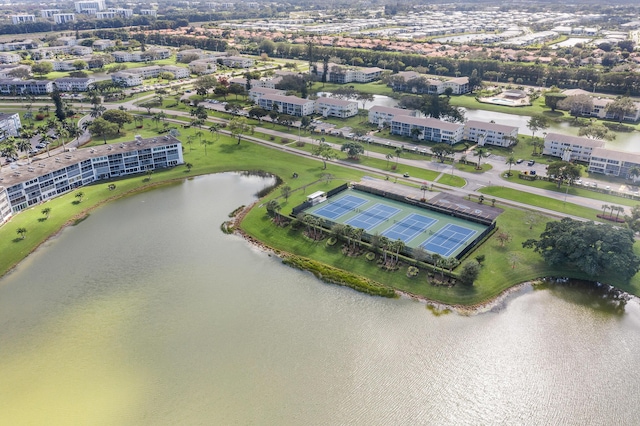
(471, 168)
(375, 88)
(452, 180)
(574, 190)
(556, 205)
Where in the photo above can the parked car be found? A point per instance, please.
(520, 160)
(531, 162)
(406, 174)
(532, 172)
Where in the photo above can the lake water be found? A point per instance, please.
(624, 141)
(146, 314)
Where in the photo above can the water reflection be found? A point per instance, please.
(599, 297)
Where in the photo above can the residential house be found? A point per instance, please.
(428, 129)
(333, 107)
(570, 148)
(490, 133)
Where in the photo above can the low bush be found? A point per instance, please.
(371, 256)
(412, 271)
(332, 241)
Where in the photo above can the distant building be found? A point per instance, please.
(126, 79)
(346, 74)
(68, 41)
(25, 87)
(291, 105)
(490, 133)
(103, 44)
(203, 66)
(89, 6)
(20, 45)
(257, 92)
(48, 13)
(9, 58)
(236, 61)
(382, 115)
(74, 84)
(9, 125)
(139, 56)
(332, 107)
(149, 12)
(61, 18)
(21, 19)
(429, 129)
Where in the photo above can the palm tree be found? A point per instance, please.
(605, 207)
(190, 139)
(388, 157)
(398, 152)
(156, 119)
(22, 232)
(45, 138)
(634, 172)
(97, 110)
(480, 153)
(189, 166)
(384, 244)
(23, 145)
(424, 188)
(398, 245)
(437, 261)
(79, 195)
(215, 127)
(619, 209)
(510, 161)
(46, 212)
(199, 135)
(415, 133)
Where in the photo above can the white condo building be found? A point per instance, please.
(89, 6)
(383, 115)
(61, 18)
(21, 19)
(429, 129)
(9, 125)
(333, 107)
(25, 185)
(570, 148)
(490, 133)
(291, 105)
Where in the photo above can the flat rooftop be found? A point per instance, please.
(21, 171)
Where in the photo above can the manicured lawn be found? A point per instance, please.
(471, 168)
(375, 88)
(574, 190)
(540, 201)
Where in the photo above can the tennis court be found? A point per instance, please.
(409, 227)
(434, 231)
(372, 217)
(334, 209)
(448, 239)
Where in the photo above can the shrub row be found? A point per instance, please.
(333, 275)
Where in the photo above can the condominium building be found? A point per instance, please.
(139, 56)
(74, 84)
(490, 133)
(61, 18)
(135, 76)
(103, 44)
(9, 125)
(48, 52)
(203, 66)
(149, 12)
(114, 13)
(48, 13)
(347, 74)
(333, 107)
(9, 58)
(291, 105)
(257, 92)
(382, 115)
(19, 45)
(429, 129)
(236, 61)
(411, 81)
(25, 87)
(89, 6)
(25, 185)
(613, 163)
(570, 148)
(21, 19)
(126, 79)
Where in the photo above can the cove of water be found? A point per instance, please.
(146, 314)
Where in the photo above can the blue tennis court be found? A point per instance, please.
(372, 217)
(342, 206)
(409, 227)
(448, 239)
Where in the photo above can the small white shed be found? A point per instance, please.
(317, 197)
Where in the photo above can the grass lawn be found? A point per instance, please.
(471, 168)
(375, 88)
(540, 201)
(574, 190)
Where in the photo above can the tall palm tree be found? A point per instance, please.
(619, 209)
(215, 127)
(23, 145)
(45, 138)
(384, 245)
(511, 161)
(97, 110)
(388, 157)
(398, 152)
(480, 153)
(605, 207)
(398, 245)
(634, 172)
